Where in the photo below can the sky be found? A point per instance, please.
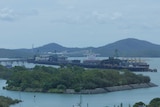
(77, 23)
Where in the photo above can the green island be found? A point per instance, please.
(7, 101)
(71, 79)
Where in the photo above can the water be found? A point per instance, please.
(127, 97)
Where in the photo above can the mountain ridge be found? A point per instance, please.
(129, 47)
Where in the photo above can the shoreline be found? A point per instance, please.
(93, 91)
(112, 89)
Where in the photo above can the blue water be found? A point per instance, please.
(97, 100)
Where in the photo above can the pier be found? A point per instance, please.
(10, 62)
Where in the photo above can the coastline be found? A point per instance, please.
(92, 91)
(112, 89)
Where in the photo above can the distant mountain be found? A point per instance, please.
(130, 47)
(18, 53)
(51, 47)
(125, 48)
(56, 48)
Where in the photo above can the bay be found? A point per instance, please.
(128, 97)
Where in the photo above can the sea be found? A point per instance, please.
(112, 99)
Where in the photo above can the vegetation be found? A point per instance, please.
(139, 104)
(5, 73)
(6, 101)
(153, 103)
(48, 79)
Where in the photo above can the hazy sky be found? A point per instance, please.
(77, 23)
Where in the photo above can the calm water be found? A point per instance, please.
(97, 100)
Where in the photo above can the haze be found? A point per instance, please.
(77, 23)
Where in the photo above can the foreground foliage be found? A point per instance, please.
(48, 79)
(153, 103)
(7, 101)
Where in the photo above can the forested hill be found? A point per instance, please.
(125, 48)
(130, 47)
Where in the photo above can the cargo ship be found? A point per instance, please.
(91, 62)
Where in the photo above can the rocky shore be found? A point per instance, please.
(112, 89)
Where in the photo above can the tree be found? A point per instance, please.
(139, 104)
(154, 102)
